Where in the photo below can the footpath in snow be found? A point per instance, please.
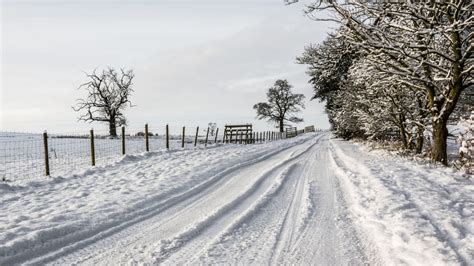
(307, 200)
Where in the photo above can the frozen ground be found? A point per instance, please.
(307, 200)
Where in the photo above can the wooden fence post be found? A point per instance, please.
(241, 137)
(92, 148)
(296, 131)
(182, 137)
(224, 137)
(207, 136)
(46, 155)
(196, 137)
(167, 137)
(147, 144)
(217, 132)
(123, 140)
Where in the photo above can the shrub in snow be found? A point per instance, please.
(466, 139)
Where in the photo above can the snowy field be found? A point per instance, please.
(307, 200)
(22, 155)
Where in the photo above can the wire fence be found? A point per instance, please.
(26, 155)
(21, 155)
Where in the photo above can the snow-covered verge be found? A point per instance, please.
(454, 146)
(409, 213)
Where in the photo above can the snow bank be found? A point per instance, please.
(411, 214)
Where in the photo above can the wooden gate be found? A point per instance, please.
(291, 132)
(238, 134)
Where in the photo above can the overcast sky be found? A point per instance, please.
(195, 61)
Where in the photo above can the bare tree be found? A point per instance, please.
(212, 128)
(282, 105)
(107, 97)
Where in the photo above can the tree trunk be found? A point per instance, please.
(403, 134)
(403, 137)
(281, 125)
(419, 139)
(440, 131)
(440, 137)
(112, 128)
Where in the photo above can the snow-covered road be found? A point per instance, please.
(308, 200)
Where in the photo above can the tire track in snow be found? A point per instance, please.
(282, 184)
(293, 215)
(278, 184)
(286, 224)
(326, 235)
(286, 236)
(198, 236)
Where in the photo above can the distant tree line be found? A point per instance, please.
(394, 68)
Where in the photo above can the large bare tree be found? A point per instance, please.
(108, 94)
(282, 105)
